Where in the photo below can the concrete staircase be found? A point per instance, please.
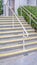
(11, 38)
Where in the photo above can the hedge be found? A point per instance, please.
(1, 7)
(33, 10)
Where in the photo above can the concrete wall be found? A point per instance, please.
(5, 8)
(24, 2)
(32, 2)
(18, 3)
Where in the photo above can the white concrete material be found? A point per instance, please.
(17, 3)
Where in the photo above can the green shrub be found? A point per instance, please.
(1, 7)
(19, 11)
(33, 10)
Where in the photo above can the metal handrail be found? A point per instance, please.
(30, 12)
(20, 24)
(29, 15)
(18, 20)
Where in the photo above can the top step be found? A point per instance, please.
(11, 17)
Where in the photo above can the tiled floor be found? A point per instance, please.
(30, 59)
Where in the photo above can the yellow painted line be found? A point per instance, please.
(12, 22)
(26, 26)
(17, 25)
(15, 31)
(10, 32)
(19, 45)
(11, 36)
(17, 40)
(6, 16)
(18, 52)
(7, 36)
(10, 28)
(10, 16)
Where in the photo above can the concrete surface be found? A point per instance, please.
(30, 59)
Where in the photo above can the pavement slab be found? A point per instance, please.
(30, 59)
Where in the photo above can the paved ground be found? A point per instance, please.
(30, 59)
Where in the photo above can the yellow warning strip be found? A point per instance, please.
(19, 45)
(17, 40)
(6, 36)
(18, 52)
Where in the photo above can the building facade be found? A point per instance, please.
(14, 4)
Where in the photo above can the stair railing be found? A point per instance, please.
(28, 13)
(25, 31)
(32, 15)
(25, 10)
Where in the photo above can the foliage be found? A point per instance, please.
(1, 7)
(33, 10)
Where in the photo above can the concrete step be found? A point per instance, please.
(16, 35)
(26, 26)
(13, 17)
(14, 26)
(11, 39)
(19, 28)
(7, 51)
(15, 31)
(4, 28)
(17, 40)
(4, 55)
(10, 50)
(9, 44)
(10, 23)
(3, 20)
(1, 23)
(11, 32)
(16, 46)
(7, 17)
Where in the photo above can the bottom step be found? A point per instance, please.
(18, 53)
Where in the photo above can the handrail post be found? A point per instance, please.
(21, 11)
(24, 48)
(30, 18)
(13, 21)
(20, 6)
(5, 10)
(23, 41)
